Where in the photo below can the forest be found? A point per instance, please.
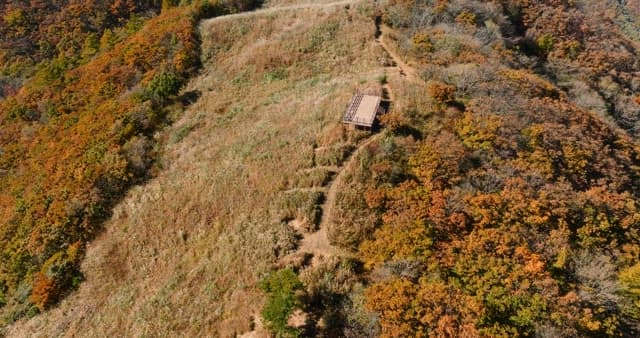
(515, 213)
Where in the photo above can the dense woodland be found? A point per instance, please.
(514, 212)
(502, 201)
(83, 87)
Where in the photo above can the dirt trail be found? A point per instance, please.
(271, 10)
(317, 243)
(337, 181)
(404, 69)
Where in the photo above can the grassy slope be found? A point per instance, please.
(182, 253)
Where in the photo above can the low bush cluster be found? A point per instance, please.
(281, 288)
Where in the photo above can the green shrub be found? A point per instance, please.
(54, 70)
(274, 75)
(163, 85)
(134, 24)
(280, 287)
(108, 40)
(3, 290)
(630, 282)
(545, 43)
(23, 112)
(90, 47)
(204, 9)
(382, 79)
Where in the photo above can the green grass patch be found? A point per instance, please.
(280, 287)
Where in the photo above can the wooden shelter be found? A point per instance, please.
(362, 110)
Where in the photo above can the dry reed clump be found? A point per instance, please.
(183, 253)
(334, 288)
(283, 3)
(333, 155)
(304, 206)
(312, 178)
(352, 219)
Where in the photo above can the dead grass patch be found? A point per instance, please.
(304, 206)
(312, 178)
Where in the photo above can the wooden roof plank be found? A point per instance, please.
(362, 110)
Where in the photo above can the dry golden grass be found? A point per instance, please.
(282, 3)
(182, 254)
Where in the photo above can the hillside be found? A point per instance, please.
(184, 252)
(210, 189)
(78, 131)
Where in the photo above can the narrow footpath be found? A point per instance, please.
(317, 243)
